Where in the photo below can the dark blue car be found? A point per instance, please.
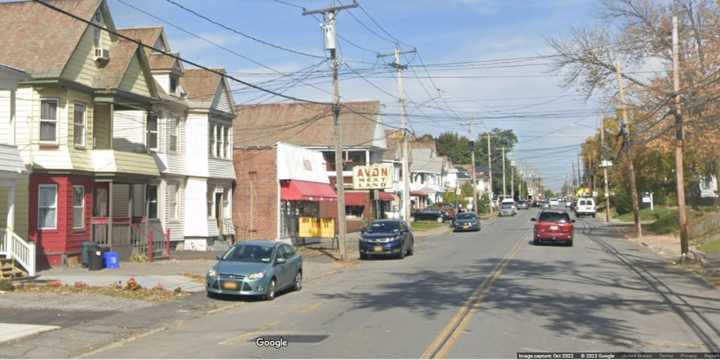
(387, 237)
(467, 221)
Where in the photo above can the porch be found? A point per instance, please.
(125, 219)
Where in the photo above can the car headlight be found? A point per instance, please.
(212, 273)
(256, 276)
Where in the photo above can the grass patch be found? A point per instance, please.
(711, 246)
(426, 225)
(647, 215)
(156, 294)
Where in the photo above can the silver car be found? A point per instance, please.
(507, 209)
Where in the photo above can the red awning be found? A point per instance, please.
(298, 190)
(357, 198)
(386, 196)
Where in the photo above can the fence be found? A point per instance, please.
(149, 239)
(22, 251)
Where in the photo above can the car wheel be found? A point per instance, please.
(270, 292)
(298, 281)
(411, 250)
(401, 255)
(536, 242)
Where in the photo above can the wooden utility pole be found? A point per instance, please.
(680, 143)
(604, 164)
(329, 16)
(503, 170)
(473, 172)
(629, 153)
(490, 171)
(405, 157)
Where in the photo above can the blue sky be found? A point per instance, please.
(443, 31)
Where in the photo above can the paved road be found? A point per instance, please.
(487, 294)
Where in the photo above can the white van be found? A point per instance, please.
(508, 208)
(585, 207)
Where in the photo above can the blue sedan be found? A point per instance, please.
(386, 237)
(257, 268)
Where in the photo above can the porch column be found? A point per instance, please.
(131, 191)
(110, 214)
(11, 208)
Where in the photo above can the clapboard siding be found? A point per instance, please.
(102, 126)
(129, 130)
(24, 97)
(82, 67)
(176, 226)
(222, 169)
(21, 206)
(5, 113)
(10, 159)
(196, 151)
(120, 197)
(196, 208)
(134, 80)
(222, 101)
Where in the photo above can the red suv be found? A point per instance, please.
(553, 225)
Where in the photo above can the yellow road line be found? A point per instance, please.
(447, 338)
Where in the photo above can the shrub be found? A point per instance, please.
(6, 285)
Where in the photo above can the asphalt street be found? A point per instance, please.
(485, 294)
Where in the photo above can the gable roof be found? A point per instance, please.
(307, 124)
(149, 36)
(201, 86)
(54, 36)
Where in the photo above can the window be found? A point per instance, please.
(354, 211)
(329, 157)
(152, 131)
(173, 135)
(101, 202)
(210, 199)
(355, 158)
(79, 124)
(47, 206)
(48, 119)
(97, 19)
(173, 84)
(78, 207)
(227, 150)
(172, 200)
(211, 141)
(152, 201)
(218, 141)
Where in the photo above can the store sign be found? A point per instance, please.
(373, 177)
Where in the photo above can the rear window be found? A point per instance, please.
(466, 216)
(582, 202)
(554, 217)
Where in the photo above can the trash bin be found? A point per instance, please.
(87, 248)
(112, 260)
(95, 260)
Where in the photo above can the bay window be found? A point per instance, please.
(48, 119)
(79, 125)
(78, 207)
(152, 131)
(47, 206)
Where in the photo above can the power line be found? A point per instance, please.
(245, 35)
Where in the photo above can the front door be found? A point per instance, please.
(219, 215)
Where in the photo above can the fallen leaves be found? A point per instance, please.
(132, 290)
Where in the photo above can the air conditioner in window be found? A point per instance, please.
(102, 54)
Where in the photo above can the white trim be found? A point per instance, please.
(54, 186)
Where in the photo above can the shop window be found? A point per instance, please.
(47, 206)
(152, 201)
(48, 120)
(78, 207)
(354, 211)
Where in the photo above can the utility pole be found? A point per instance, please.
(680, 143)
(474, 176)
(629, 153)
(579, 170)
(329, 17)
(490, 170)
(503, 168)
(604, 166)
(512, 181)
(399, 68)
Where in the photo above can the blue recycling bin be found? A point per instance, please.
(112, 260)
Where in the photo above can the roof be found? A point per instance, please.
(110, 76)
(54, 35)
(201, 85)
(306, 124)
(149, 36)
(423, 160)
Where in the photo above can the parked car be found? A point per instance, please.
(554, 203)
(585, 207)
(428, 214)
(468, 221)
(553, 225)
(255, 268)
(387, 237)
(508, 209)
(523, 205)
(449, 213)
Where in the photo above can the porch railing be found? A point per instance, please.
(14, 247)
(150, 240)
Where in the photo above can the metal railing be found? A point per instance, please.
(150, 240)
(14, 247)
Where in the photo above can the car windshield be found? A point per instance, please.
(249, 253)
(384, 227)
(466, 216)
(554, 217)
(507, 206)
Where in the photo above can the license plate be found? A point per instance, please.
(378, 248)
(230, 285)
(553, 227)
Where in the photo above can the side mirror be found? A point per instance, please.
(533, 219)
(280, 260)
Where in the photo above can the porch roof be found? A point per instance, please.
(124, 162)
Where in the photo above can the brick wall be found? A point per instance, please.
(256, 174)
